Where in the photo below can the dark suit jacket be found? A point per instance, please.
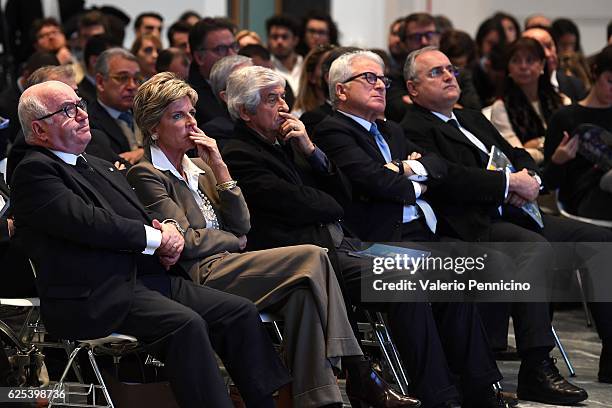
(85, 253)
(207, 107)
(470, 195)
(312, 118)
(9, 99)
(571, 86)
(4, 193)
(100, 119)
(87, 90)
(99, 146)
(220, 129)
(379, 194)
(286, 207)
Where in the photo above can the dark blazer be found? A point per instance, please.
(312, 118)
(100, 119)
(87, 90)
(220, 129)
(4, 193)
(85, 253)
(207, 107)
(9, 99)
(379, 194)
(286, 207)
(99, 146)
(470, 194)
(571, 86)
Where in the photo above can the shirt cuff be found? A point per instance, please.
(154, 237)
(420, 174)
(319, 161)
(417, 189)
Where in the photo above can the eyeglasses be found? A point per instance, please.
(437, 72)
(48, 34)
(123, 79)
(70, 109)
(273, 99)
(418, 37)
(223, 49)
(319, 33)
(371, 78)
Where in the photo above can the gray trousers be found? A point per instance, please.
(299, 284)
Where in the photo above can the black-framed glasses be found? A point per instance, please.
(70, 109)
(437, 72)
(371, 78)
(223, 49)
(418, 37)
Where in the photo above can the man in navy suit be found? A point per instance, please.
(108, 265)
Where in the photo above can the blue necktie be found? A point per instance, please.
(127, 118)
(381, 142)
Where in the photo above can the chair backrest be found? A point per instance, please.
(592, 221)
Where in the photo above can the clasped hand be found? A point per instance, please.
(171, 246)
(293, 129)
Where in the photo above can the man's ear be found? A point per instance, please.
(39, 131)
(99, 83)
(198, 57)
(341, 93)
(244, 115)
(223, 96)
(412, 90)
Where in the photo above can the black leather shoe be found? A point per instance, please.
(373, 391)
(490, 399)
(543, 383)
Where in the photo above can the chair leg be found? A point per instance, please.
(278, 332)
(94, 365)
(585, 307)
(570, 367)
(396, 356)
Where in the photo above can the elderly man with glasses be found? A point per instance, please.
(117, 80)
(209, 40)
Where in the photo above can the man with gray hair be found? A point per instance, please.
(389, 177)
(221, 127)
(117, 80)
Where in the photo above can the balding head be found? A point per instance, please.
(546, 41)
(50, 118)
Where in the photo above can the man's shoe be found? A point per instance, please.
(543, 383)
(374, 392)
(492, 399)
(508, 354)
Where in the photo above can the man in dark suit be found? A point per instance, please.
(95, 46)
(91, 242)
(209, 40)
(468, 201)
(117, 80)
(572, 87)
(387, 205)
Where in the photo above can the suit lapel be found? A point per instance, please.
(365, 138)
(106, 123)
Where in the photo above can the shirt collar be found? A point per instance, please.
(444, 117)
(554, 80)
(364, 123)
(161, 162)
(67, 158)
(111, 111)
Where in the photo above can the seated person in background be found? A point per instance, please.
(48, 36)
(297, 282)
(468, 207)
(173, 60)
(92, 243)
(146, 48)
(95, 46)
(98, 146)
(178, 37)
(221, 127)
(118, 77)
(311, 92)
(577, 178)
(275, 162)
(246, 37)
(529, 100)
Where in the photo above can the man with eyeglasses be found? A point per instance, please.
(283, 38)
(209, 40)
(49, 37)
(118, 78)
(106, 263)
(482, 205)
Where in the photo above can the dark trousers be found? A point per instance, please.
(443, 346)
(188, 327)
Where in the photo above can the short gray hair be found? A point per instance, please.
(410, 66)
(341, 69)
(154, 96)
(30, 108)
(222, 69)
(104, 59)
(60, 73)
(244, 86)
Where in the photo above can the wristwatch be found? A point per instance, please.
(399, 165)
(178, 227)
